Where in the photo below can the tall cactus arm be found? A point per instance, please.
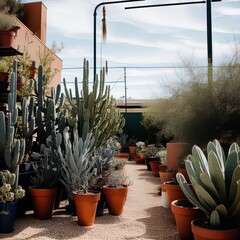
(2, 131)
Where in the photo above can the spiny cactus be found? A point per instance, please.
(216, 182)
(78, 161)
(93, 110)
(9, 190)
(49, 116)
(11, 149)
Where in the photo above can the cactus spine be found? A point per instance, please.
(94, 110)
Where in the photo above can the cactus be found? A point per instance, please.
(28, 122)
(78, 161)
(11, 149)
(9, 190)
(216, 182)
(93, 110)
(48, 168)
(49, 116)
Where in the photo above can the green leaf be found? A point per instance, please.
(215, 219)
(217, 175)
(234, 186)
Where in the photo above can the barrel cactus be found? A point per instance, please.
(216, 182)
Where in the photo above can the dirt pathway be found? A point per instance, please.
(143, 217)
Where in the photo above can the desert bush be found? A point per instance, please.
(196, 113)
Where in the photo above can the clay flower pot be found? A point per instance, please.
(132, 152)
(155, 167)
(43, 202)
(7, 36)
(185, 213)
(205, 233)
(115, 198)
(86, 206)
(166, 176)
(174, 191)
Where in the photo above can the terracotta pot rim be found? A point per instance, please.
(183, 207)
(36, 188)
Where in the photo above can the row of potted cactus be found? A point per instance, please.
(73, 140)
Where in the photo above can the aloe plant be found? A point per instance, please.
(216, 182)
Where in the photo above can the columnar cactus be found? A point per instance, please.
(11, 149)
(93, 110)
(216, 182)
(49, 116)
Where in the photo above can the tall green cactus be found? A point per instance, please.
(93, 110)
(11, 149)
(49, 116)
(216, 181)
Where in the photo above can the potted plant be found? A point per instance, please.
(185, 212)
(10, 192)
(215, 180)
(167, 174)
(116, 192)
(78, 167)
(151, 155)
(44, 183)
(10, 10)
(104, 156)
(132, 147)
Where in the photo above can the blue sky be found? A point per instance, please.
(151, 37)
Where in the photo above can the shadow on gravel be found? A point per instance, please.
(159, 225)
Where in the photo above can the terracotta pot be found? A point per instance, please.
(185, 174)
(43, 202)
(201, 233)
(115, 198)
(32, 71)
(150, 159)
(139, 160)
(132, 151)
(86, 206)
(122, 155)
(155, 168)
(142, 155)
(185, 213)
(166, 176)
(174, 151)
(7, 37)
(174, 191)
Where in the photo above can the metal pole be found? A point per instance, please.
(125, 86)
(209, 43)
(95, 32)
(165, 5)
(209, 29)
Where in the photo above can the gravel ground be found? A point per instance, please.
(143, 217)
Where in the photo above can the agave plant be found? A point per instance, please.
(216, 182)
